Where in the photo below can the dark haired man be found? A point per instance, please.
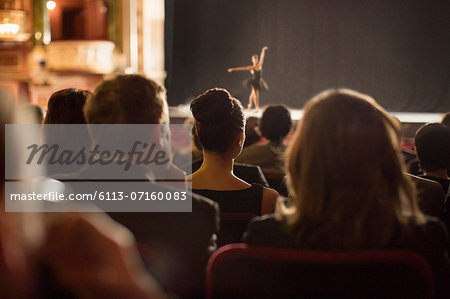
(275, 125)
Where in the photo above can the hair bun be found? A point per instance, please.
(212, 106)
(218, 118)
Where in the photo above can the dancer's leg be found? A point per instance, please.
(257, 100)
(251, 99)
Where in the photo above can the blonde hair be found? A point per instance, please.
(346, 174)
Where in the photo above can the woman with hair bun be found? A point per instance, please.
(219, 123)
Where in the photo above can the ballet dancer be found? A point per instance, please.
(255, 82)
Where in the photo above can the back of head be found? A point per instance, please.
(275, 123)
(446, 119)
(346, 172)
(433, 147)
(66, 107)
(218, 119)
(126, 99)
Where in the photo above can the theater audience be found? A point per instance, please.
(345, 174)
(219, 122)
(275, 125)
(65, 255)
(433, 151)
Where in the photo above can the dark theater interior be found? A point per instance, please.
(224, 149)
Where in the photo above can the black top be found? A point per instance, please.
(236, 201)
(429, 240)
(182, 241)
(257, 74)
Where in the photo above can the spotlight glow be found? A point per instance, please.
(9, 28)
(51, 5)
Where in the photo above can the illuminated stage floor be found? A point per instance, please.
(404, 117)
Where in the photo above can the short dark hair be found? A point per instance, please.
(126, 99)
(275, 123)
(433, 146)
(66, 107)
(218, 118)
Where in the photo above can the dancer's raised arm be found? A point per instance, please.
(261, 59)
(241, 68)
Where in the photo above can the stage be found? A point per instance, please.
(183, 112)
(411, 121)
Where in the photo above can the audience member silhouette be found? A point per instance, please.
(275, 125)
(433, 150)
(219, 123)
(182, 241)
(66, 107)
(349, 191)
(38, 258)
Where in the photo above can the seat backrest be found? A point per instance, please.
(429, 195)
(277, 182)
(241, 271)
(232, 227)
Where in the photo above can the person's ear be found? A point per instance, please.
(240, 138)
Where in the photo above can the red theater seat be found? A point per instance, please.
(241, 271)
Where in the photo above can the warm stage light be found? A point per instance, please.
(9, 28)
(51, 5)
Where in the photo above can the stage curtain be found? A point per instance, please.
(396, 51)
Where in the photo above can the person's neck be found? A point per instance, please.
(217, 163)
(276, 142)
(440, 174)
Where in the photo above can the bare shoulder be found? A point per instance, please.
(269, 200)
(270, 193)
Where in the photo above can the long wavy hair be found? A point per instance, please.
(346, 175)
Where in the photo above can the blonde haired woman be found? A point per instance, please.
(348, 187)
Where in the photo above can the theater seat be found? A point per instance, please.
(241, 271)
(232, 227)
(277, 182)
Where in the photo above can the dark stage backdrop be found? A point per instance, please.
(396, 51)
